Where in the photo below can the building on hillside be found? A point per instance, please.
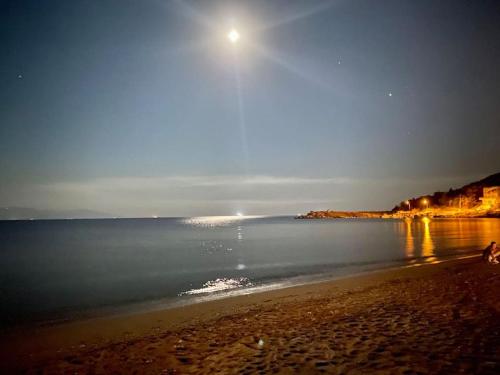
(491, 197)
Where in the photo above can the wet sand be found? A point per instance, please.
(437, 318)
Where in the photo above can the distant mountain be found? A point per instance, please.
(24, 213)
(465, 197)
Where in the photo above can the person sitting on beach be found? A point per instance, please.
(492, 254)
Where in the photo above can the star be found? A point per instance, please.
(390, 93)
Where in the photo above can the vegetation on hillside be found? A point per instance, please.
(464, 197)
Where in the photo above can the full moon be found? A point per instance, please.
(233, 36)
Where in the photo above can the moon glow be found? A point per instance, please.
(233, 36)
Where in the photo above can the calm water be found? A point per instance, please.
(54, 269)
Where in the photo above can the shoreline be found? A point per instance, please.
(183, 301)
(398, 215)
(48, 346)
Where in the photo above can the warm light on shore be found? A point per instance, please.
(425, 203)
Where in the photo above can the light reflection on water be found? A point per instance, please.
(214, 221)
(427, 238)
(219, 285)
(427, 244)
(452, 236)
(410, 241)
(75, 264)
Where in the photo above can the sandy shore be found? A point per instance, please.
(442, 318)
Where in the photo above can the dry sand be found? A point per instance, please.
(442, 318)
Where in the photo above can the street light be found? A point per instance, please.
(425, 202)
(409, 205)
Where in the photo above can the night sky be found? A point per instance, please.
(140, 108)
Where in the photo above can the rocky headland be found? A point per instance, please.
(477, 199)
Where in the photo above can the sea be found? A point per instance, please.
(59, 270)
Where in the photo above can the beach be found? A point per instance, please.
(435, 318)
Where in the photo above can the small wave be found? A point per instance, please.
(218, 285)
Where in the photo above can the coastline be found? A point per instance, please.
(73, 346)
(414, 214)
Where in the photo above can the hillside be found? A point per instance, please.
(467, 201)
(466, 197)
